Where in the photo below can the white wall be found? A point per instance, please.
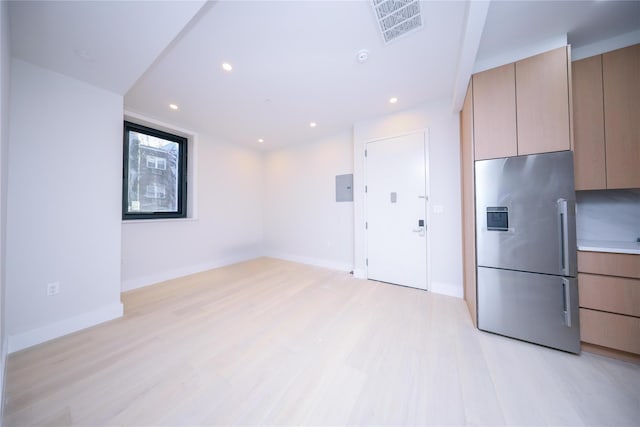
(227, 227)
(607, 45)
(303, 221)
(444, 178)
(64, 195)
(5, 61)
(519, 53)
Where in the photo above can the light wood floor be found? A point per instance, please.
(274, 342)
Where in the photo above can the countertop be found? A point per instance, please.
(609, 246)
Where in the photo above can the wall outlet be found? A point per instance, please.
(53, 288)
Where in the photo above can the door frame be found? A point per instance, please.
(425, 139)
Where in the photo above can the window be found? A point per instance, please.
(154, 174)
(156, 191)
(154, 162)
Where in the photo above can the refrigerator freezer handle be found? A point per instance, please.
(566, 301)
(564, 236)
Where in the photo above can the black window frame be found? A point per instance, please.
(182, 142)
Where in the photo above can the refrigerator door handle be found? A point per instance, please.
(566, 302)
(564, 236)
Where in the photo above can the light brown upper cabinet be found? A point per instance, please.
(542, 103)
(494, 113)
(621, 80)
(588, 118)
(523, 108)
(606, 107)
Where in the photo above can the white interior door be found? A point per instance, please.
(396, 210)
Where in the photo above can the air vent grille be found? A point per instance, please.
(397, 17)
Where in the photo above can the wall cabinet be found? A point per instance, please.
(621, 82)
(588, 118)
(606, 108)
(524, 107)
(494, 113)
(609, 294)
(542, 103)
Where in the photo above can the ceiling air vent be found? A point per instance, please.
(397, 17)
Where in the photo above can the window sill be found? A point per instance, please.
(152, 220)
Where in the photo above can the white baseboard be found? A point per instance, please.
(331, 265)
(63, 327)
(442, 288)
(152, 279)
(446, 289)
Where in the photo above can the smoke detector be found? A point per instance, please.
(397, 17)
(362, 56)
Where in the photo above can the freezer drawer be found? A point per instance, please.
(525, 213)
(538, 308)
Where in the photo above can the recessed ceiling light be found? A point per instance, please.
(393, 100)
(173, 106)
(226, 66)
(260, 140)
(313, 124)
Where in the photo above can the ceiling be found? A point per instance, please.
(294, 62)
(511, 25)
(108, 44)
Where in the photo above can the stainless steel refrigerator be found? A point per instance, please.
(526, 249)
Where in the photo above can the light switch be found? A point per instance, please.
(438, 209)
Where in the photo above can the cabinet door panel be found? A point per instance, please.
(542, 103)
(610, 330)
(468, 204)
(588, 125)
(621, 78)
(608, 293)
(494, 110)
(609, 264)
